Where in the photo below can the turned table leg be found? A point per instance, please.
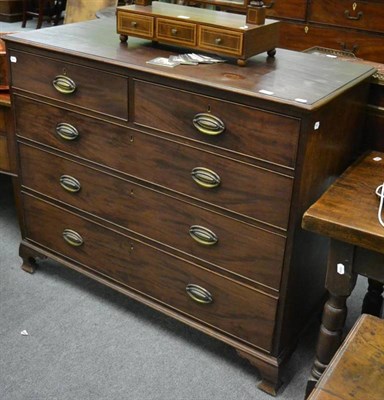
(340, 282)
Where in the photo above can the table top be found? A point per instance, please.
(356, 371)
(303, 81)
(348, 210)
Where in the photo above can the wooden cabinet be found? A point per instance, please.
(11, 10)
(355, 27)
(184, 188)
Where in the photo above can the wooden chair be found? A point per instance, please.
(44, 10)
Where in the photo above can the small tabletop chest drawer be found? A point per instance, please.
(181, 33)
(224, 41)
(71, 83)
(135, 24)
(208, 297)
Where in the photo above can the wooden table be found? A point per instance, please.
(347, 213)
(357, 369)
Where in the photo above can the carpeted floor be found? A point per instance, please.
(87, 342)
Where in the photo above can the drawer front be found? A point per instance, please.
(293, 9)
(222, 41)
(176, 32)
(135, 24)
(239, 187)
(74, 84)
(249, 131)
(346, 13)
(361, 44)
(229, 244)
(230, 307)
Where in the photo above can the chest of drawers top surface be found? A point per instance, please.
(301, 80)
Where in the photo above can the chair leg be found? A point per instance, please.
(25, 9)
(42, 4)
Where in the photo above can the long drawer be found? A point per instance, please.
(71, 83)
(364, 45)
(235, 127)
(231, 245)
(239, 187)
(363, 15)
(208, 297)
(293, 9)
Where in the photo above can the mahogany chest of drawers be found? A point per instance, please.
(183, 188)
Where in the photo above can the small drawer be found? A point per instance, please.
(176, 32)
(231, 245)
(237, 128)
(223, 41)
(346, 13)
(292, 9)
(71, 83)
(207, 297)
(257, 193)
(135, 24)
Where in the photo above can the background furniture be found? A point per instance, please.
(356, 371)
(156, 189)
(347, 213)
(345, 25)
(11, 10)
(83, 10)
(50, 10)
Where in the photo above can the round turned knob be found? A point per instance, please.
(218, 40)
(174, 31)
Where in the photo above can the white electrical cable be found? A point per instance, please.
(380, 193)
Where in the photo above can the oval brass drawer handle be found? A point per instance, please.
(203, 235)
(69, 183)
(208, 124)
(67, 131)
(72, 237)
(63, 84)
(205, 177)
(199, 294)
